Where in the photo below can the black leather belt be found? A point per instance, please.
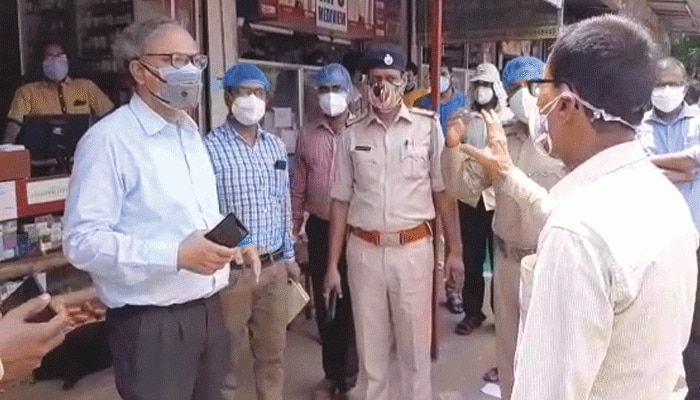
(266, 260)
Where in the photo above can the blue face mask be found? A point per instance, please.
(56, 69)
(444, 84)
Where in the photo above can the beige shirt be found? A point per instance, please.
(516, 224)
(613, 286)
(389, 174)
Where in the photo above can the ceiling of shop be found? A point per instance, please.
(678, 15)
(610, 4)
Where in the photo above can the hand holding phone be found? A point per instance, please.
(200, 255)
(332, 303)
(229, 232)
(29, 289)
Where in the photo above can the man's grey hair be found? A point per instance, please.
(667, 63)
(129, 44)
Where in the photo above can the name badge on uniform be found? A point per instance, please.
(281, 164)
(363, 148)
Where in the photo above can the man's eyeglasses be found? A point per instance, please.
(62, 56)
(535, 85)
(330, 89)
(179, 60)
(242, 91)
(669, 84)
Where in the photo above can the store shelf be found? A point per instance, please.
(105, 30)
(31, 265)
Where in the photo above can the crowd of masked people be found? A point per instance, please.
(577, 175)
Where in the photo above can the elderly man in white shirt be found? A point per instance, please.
(141, 197)
(614, 284)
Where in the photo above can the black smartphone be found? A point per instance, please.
(229, 232)
(332, 303)
(28, 290)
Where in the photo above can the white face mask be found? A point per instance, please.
(484, 95)
(333, 104)
(539, 128)
(667, 98)
(248, 110)
(444, 84)
(539, 123)
(523, 105)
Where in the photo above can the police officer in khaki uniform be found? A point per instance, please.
(516, 229)
(388, 186)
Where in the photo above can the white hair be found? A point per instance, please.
(130, 43)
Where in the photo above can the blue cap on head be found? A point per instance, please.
(384, 55)
(245, 74)
(334, 75)
(520, 68)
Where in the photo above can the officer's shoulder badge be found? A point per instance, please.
(423, 111)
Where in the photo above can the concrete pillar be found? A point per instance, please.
(221, 31)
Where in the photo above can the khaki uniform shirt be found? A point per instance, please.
(73, 96)
(518, 226)
(389, 174)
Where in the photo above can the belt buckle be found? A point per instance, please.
(390, 239)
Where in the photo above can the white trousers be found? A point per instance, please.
(391, 302)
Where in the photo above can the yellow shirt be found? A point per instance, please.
(410, 98)
(73, 96)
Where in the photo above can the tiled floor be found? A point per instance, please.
(456, 375)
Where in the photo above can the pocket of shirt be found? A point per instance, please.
(414, 162)
(366, 167)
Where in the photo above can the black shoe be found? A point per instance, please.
(468, 325)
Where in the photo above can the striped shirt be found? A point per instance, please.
(681, 134)
(253, 182)
(313, 171)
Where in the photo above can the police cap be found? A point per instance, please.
(384, 55)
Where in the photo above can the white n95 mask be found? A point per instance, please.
(248, 110)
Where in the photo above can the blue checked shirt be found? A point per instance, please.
(253, 183)
(681, 134)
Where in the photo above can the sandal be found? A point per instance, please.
(491, 375)
(468, 325)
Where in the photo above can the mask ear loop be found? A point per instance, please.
(598, 113)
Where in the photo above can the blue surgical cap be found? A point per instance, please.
(521, 68)
(332, 75)
(245, 74)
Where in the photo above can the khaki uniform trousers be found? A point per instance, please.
(506, 298)
(259, 311)
(391, 301)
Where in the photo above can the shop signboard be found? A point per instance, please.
(332, 15)
(489, 20)
(268, 8)
(347, 19)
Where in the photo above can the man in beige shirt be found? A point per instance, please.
(387, 187)
(515, 230)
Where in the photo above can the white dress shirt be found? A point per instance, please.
(140, 185)
(614, 286)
